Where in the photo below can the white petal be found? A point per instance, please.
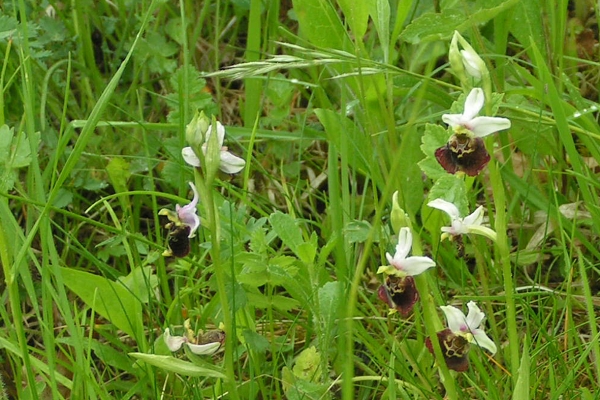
(446, 207)
(475, 316)
(459, 227)
(456, 319)
(403, 246)
(483, 126)
(220, 133)
(454, 120)
(230, 163)
(204, 349)
(476, 218)
(471, 62)
(174, 343)
(482, 340)
(416, 265)
(190, 157)
(473, 103)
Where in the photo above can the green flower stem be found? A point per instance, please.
(503, 257)
(433, 324)
(212, 217)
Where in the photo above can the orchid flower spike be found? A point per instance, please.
(229, 163)
(469, 121)
(472, 223)
(400, 264)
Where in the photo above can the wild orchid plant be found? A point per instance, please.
(459, 152)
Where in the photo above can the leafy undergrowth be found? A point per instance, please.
(347, 225)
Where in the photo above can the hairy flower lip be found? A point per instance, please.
(400, 294)
(469, 157)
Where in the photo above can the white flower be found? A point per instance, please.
(472, 223)
(469, 326)
(478, 126)
(174, 343)
(229, 164)
(472, 63)
(401, 265)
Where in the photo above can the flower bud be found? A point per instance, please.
(466, 63)
(398, 217)
(196, 130)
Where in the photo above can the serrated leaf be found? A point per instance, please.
(107, 298)
(181, 367)
(434, 137)
(451, 188)
(255, 341)
(287, 230)
(329, 302)
(440, 26)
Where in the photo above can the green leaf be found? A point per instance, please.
(440, 26)
(451, 188)
(329, 303)
(107, 298)
(435, 137)
(320, 23)
(359, 231)
(357, 16)
(118, 173)
(522, 385)
(525, 23)
(380, 13)
(181, 367)
(357, 143)
(287, 230)
(256, 342)
(141, 282)
(411, 178)
(308, 365)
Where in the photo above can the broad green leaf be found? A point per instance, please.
(440, 26)
(329, 303)
(451, 188)
(357, 16)
(109, 299)
(181, 367)
(287, 230)
(380, 13)
(255, 341)
(359, 231)
(525, 23)
(320, 23)
(118, 172)
(434, 137)
(411, 179)
(308, 365)
(142, 283)
(281, 303)
(357, 143)
(522, 385)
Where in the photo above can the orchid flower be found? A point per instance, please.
(472, 223)
(399, 290)
(185, 216)
(401, 265)
(229, 163)
(462, 331)
(465, 150)
(202, 344)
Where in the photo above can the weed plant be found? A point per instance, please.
(357, 176)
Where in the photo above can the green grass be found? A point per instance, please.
(332, 105)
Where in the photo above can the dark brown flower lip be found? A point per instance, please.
(463, 153)
(455, 349)
(400, 294)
